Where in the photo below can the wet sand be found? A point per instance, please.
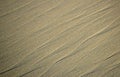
(59, 38)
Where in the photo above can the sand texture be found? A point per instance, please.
(59, 38)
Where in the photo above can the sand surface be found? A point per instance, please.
(59, 38)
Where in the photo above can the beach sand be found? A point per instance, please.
(59, 38)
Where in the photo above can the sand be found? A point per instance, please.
(59, 38)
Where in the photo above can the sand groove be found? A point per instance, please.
(60, 38)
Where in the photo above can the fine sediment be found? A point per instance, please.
(59, 38)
